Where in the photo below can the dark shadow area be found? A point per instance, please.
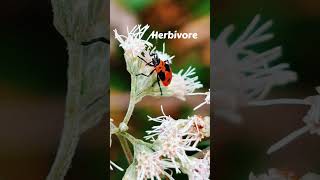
(277, 59)
(33, 85)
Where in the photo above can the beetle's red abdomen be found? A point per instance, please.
(167, 81)
(164, 72)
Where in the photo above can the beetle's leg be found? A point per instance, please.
(145, 74)
(158, 80)
(147, 63)
(100, 39)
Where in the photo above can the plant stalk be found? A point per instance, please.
(123, 141)
(132, 102)
(70, 134)
(126, 148)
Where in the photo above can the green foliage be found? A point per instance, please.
(136, 5)
(200, 8)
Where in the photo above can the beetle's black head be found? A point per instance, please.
(155, 59)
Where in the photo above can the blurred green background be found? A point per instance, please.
(241, 148)
(161, 15)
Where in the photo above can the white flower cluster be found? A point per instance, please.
(150, 165)
(133, 44)
(206, 99)
(243, 74)
(172, 139)
(311, 119)
(137, 53)
(182, 84)
(198, 169)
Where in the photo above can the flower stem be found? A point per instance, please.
(125, 147)
(277, 102)
(122, 139)
(286, 140)
(66, 150)
(129, 111)
(129, 137)
(134, 140)
(132, 102)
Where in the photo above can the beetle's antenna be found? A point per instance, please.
(100, 39)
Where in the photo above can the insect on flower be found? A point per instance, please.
(162, 68)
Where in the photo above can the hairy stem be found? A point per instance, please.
(133, 140)
(125, 148)
(132, 102)
(67, 147)
(129, 111)
(128, 136)
(70, 134)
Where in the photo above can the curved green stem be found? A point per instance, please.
(126, 148)
(134, 140)
(129, 137)
(132, 102)
(122, 139)
(129, 111)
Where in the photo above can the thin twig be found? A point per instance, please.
(126, 148)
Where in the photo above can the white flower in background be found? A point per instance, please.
(186, 127)
(163, 55)
(198, 169)
(137, 52)
(166, 122)
(174, 146)
(274, 174)
(312, 118)
(198, 128)
(150, 165)
(173, 138)
(182, 84)
(206, 99)
(243, 74)
(113, 129)
(133, 44)
(130, 173)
